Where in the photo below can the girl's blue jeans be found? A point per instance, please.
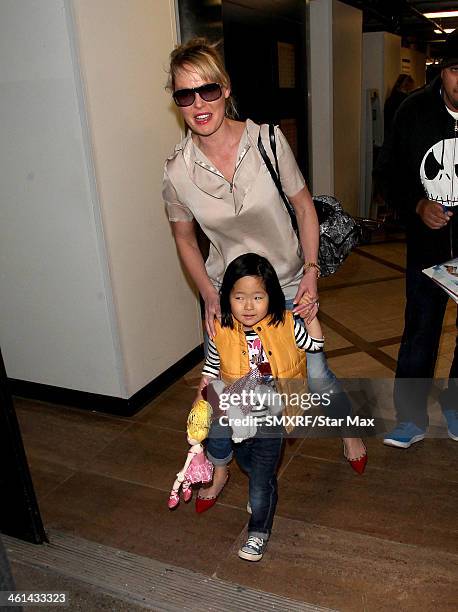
(259, 458)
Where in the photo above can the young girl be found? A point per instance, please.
(254, 329)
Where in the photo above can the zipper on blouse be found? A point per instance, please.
(218, 173)
(237, 166)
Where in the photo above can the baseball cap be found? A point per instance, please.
(450, 50)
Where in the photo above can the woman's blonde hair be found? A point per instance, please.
(202, 56)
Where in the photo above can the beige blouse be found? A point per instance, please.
(245, 216)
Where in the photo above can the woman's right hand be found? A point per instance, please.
(212, 310)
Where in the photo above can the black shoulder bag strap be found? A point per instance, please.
(276, 175)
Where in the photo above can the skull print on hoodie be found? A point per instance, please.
(420, 160)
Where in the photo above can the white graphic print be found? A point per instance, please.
(439, 172)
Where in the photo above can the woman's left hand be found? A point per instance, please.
(306, 298)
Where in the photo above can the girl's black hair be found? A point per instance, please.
(251, 264)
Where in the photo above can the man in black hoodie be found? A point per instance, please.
(418, 171)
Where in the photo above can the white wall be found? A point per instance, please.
(321, 97)
(373, 64)
(380, 69)
(335, 99)
(56, 326)
(347, 49)
(391, 55)
(381, 61)
(92, 295)
(123, 49)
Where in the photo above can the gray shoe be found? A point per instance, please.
(253, 549)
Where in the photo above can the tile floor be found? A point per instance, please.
(386, 540)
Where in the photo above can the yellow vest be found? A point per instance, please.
(285, 359)
(287, 362)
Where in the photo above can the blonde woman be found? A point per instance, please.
(216, 176)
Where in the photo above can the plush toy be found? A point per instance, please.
(242, 417)
(239, 425)
(197, 467)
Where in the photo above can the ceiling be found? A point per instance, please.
(405, 18)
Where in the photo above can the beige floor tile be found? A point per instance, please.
(374, 312)
(443, 367)
(193, 377)
(432, 458)
(144, 454)
(450, 314)
(392, 252)
(391, 350)
(447, 343)
(346, 571)
(358, 365)
(65, 436)
(332, 339)
(170, 409)
(332, 495)
(148, 455)
(136, 518)
(357, 269)
(47, 475)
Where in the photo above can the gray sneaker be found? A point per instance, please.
(253, 549)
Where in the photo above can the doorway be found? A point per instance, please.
(264, 47)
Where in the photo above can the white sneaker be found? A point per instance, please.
(248, 507)
(253, 549)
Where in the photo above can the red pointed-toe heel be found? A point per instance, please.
(205, 503)
(358, 464)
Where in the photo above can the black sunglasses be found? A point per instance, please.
(209, 92)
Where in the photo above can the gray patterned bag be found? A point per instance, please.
(339, 232)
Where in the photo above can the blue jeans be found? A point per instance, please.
(259, 458)
(219, 444)
(424, 314)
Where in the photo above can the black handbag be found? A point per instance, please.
(339, 232)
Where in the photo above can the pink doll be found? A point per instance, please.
(197, 467)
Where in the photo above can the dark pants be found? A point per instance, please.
(424, 314)
(259, 458)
